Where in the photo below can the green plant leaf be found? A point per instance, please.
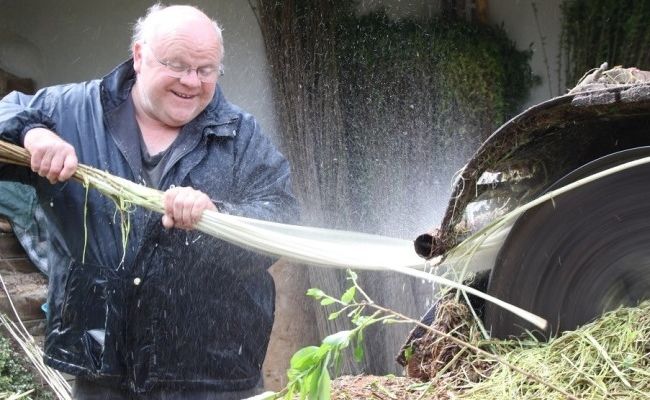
(339, 339)
(348, 296)
(358, 349)
(304, 358)
(304, 387)
(359, 320)
(314, 380)
(290, 392)
(334, 315)
(337, 362)
(327, 301)
(315, 293)
(324, 385)
(408, 353)
(358, 353)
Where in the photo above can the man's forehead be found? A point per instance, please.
(192, 32)
(181, 15)
(182, 22)
(183, 32)
(181, 46)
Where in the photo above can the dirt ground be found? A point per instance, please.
(366, 387)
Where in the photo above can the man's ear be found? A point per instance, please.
(137, 57)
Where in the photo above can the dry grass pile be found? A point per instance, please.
(606, 359)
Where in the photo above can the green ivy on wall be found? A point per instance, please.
(595, 31)
(415, 93)
(15, 378)
(376, 116)
(366, 99)
(465, 63)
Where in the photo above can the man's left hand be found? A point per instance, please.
(184, 207)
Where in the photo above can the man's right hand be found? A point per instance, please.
(51, 156)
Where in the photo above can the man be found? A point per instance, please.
(174, 314)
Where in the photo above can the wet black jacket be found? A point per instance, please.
(177, 309)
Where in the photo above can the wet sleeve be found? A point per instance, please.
(20, 112)
(262, 180)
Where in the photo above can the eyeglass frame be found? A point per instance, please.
(181, 70)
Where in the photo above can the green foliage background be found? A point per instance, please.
(376, 116)
(14, 377)
(413, 93)
(595, 31)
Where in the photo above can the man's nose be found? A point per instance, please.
(191, 78)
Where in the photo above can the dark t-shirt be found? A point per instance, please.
(153, 167)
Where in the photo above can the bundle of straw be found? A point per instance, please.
(332, 248)
(14, 396)
(33, 351)
(314, 246)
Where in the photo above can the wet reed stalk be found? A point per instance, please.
(316, 246)
(32, 350)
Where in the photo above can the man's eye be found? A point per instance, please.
(177, 67)
(207, 71)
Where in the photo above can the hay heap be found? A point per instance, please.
(606, 359)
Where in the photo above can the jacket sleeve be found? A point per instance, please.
(20, 112)
(262, 179)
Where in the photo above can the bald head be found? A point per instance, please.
(177, 54)
(163, 21)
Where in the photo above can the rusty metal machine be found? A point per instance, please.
(586, 251)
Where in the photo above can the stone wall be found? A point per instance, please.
(26, 285)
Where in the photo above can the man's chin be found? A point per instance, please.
(179, 120)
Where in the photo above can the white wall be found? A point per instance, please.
(75, 40)
(542, 33)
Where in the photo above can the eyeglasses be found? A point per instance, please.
(175, 69)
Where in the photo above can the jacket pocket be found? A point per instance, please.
(84, 312)
(85, 297)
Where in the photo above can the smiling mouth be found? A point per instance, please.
(183, 96)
